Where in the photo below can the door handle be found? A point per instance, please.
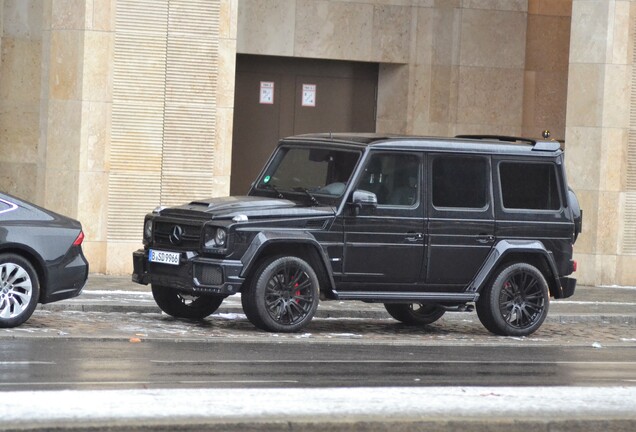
(414, 237)
(485, 238)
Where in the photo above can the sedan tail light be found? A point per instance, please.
(80, 238)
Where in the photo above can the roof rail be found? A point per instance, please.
(549, 146)
(499, 138)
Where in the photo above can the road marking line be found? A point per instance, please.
(27, 362)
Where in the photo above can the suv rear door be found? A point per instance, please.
(461, 226)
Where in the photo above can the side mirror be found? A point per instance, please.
(362, 198)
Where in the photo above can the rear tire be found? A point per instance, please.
(517, 302)
(19, 290)
(282, 296)
(182, 305)
(415, 314)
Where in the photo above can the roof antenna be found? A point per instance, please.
(330, 137)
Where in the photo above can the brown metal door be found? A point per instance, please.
(343, 100)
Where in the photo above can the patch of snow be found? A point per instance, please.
(230, 316)
(303, 336)
(322, 403)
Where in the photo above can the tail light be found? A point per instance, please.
(80, 238)
(575, 266)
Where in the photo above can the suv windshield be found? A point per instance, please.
(308, 171)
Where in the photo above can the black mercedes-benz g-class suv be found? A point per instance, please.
(423, 225)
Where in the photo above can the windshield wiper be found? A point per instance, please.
(312, 198)
(272, 187)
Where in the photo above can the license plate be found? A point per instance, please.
(163, 257)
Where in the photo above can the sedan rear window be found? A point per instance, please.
(6, 206)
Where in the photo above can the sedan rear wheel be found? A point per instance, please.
(19, 290)
(414, 313)
(183, 305)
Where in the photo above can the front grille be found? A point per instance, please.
(177, 235)
(208, 274)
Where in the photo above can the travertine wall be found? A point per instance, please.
(546, 68)
(447, 66)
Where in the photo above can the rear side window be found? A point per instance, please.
(529, 186)
(6, 206)
(460, 182)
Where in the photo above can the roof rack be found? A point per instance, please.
(506, 138)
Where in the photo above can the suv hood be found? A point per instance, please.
(250, 206)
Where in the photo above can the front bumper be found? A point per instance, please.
(194, 274)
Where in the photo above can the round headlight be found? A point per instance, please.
(220, 237)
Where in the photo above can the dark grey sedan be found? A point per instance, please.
(41, 259)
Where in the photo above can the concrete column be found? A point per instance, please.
(597, 127)
(76, 99)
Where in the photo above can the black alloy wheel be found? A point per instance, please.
(517, 302)
(183, 305)
(283, 295)
(414, 313)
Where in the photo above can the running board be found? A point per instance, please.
(406, 297)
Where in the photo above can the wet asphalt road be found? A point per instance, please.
(60, 364)
(91, 350)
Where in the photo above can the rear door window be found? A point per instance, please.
(460, 182)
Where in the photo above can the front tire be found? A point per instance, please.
(283, 295)
(19, 290)
(415, 314)
(517, 302)
(182, 305)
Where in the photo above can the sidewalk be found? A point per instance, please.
(103, 293)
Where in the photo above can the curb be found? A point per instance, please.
(325, 313)
(465, 425)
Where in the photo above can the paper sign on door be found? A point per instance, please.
(267, 93)
(309, 95)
